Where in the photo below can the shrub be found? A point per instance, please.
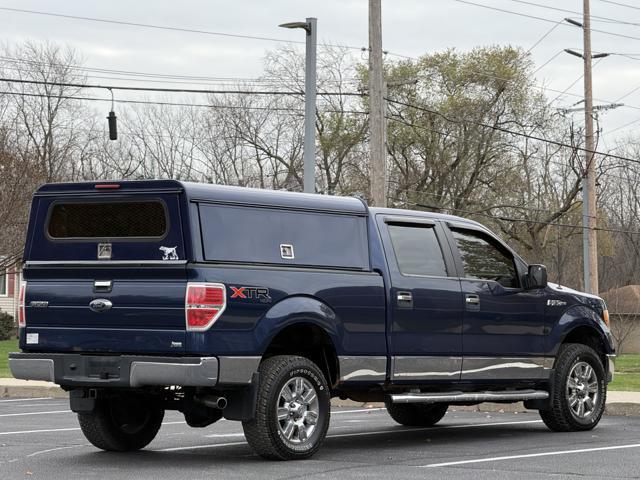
(7, 326)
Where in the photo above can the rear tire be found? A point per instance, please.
(417, 414)
(122, 424)
(293, 409)
(578, 390)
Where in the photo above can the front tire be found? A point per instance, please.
(122, 424)
(578, 390)
(293, 409)
(416, 414)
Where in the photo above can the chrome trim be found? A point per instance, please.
(102, 284)
(452, 397)
(237, 369)
(202, 374)
(32, 369)
(362, 368)
(426, 368)
(505, 368)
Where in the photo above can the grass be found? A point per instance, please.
(6, 346)
(627, 375)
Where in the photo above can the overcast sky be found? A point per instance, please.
(410, 27)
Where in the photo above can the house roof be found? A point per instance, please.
(623, 300)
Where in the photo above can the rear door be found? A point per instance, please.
(426, 330)
(106, 273)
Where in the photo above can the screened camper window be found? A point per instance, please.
(107, 220)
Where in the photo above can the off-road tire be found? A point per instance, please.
(559, 416)
(263, 433)
(416, 414)
(106, 429)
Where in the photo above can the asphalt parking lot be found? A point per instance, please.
(40, 438)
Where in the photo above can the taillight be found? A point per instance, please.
(22, 319)
(204, 303)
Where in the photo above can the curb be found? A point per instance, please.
(38, 390)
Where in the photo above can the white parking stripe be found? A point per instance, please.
(360, 434)
(20, 432)
(34, 413)
(532, 455)
(40, 431)
(25, 399)
(377, 409)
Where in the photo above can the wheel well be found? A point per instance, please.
(587, 336)
(309, 341)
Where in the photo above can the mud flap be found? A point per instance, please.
(242, 401)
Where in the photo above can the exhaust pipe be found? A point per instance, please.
(213, 401)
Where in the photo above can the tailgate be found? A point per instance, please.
(106, 274)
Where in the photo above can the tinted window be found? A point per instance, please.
(107, 220)
(483, 259)
(266, 235)
(417, 250)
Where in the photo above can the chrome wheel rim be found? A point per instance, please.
(583, 390)
(298, 410)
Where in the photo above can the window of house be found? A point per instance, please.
(4, 279)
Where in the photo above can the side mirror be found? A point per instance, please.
(536, 277)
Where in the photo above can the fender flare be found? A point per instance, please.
(581, 316)
(298, 309)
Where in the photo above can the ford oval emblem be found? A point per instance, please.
(100, 305)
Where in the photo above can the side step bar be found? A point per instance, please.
(462, 397)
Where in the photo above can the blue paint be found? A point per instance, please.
(347, 287)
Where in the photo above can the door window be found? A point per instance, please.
(483, 259)
(417, 250)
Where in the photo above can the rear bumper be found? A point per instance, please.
(75, 370)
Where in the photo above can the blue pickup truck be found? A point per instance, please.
(260, 306)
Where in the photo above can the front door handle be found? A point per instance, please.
(472, 301)
(405, 299)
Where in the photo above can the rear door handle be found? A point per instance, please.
(405, 299)
(472, 301)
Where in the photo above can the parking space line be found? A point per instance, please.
(25, 399)
(34, 413)
(52, 430)
(532, 455)
(359, 434)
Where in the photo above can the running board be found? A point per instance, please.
(462, 397)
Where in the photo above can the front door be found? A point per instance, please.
(503, 332)
(425, 340)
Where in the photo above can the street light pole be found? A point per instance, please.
(309, 150)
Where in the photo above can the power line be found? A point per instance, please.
(564, 10)
(514, 220)
(620, 4)
(511, 132)
(164, 27)
(542, 19)
(176, 90)
(177, 104)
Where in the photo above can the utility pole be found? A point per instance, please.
(309, 152)
(591, 254)
(589, 207)
(377, 163)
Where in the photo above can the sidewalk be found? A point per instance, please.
(618, 403)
